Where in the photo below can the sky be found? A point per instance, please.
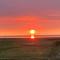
(17, 17)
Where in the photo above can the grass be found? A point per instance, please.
(15, 49)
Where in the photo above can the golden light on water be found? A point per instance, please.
(32, 36)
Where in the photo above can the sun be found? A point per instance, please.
(32, 32)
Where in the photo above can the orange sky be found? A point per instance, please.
(22, 24)
(17, 17)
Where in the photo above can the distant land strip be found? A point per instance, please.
(28, 36)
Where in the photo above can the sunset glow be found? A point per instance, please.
(32, 32)
(18, 17)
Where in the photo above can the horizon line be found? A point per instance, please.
(28, 36)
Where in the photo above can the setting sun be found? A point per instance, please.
(32, 32)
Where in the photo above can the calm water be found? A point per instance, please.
(27, 49)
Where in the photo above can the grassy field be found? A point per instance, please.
(24, 49)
